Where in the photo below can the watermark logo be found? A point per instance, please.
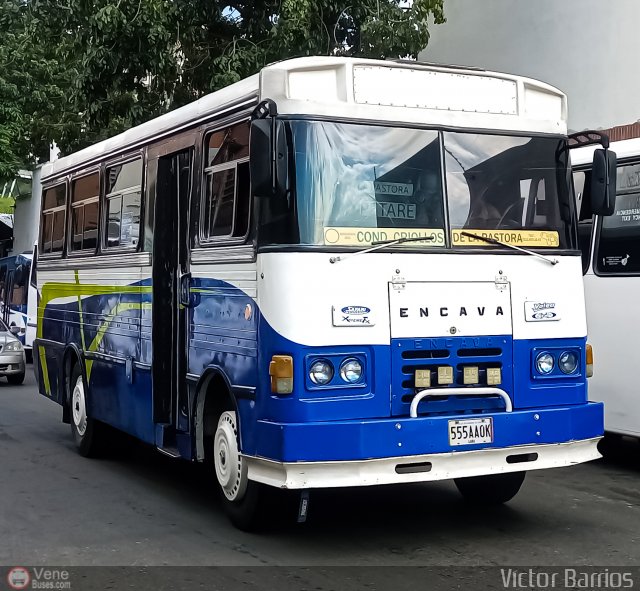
(18, 578)
(568, 578)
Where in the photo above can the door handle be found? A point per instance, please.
(185, 290)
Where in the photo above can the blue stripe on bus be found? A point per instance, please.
(341, 422)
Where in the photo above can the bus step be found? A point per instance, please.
(172, 452)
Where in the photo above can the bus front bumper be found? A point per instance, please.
(420, 468)
(418, 449)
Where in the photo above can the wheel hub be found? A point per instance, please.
(79, 407)
(230, 469)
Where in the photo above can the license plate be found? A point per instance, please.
(470, 431)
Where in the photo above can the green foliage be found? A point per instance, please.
(35, 105)
(7, 204)
(75, 71)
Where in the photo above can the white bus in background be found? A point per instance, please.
(611, 264)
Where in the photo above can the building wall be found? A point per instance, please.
(587, 48)
(26, 217)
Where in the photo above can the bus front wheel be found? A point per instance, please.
(493, 489)
(84, 430)
(242, 498)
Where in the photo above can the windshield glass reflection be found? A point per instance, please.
(356, 184)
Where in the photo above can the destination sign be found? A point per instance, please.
(524, 238)
(341, 236)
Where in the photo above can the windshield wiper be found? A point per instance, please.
(378, 244)
(499, 243)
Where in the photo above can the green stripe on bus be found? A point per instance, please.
(54, 291)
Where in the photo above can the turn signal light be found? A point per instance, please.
(281, 372)
(589, 361)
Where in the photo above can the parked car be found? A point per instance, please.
(12, 357)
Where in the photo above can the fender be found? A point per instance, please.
(210, 372)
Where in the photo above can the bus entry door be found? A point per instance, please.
(171, 292)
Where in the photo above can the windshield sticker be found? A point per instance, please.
(525, 238)
(627, 212)
(403, 189)
(336, 236)
(615, 261)
(389, 209)
(400, 211)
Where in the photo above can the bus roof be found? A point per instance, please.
(359, 89)
(622, 148)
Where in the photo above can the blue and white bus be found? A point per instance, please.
(337, 272)
(18, 297)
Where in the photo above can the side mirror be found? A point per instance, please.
(603, 182)
(269, 158)
(261, 154)
(13, 329)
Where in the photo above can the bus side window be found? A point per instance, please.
(52, 222)
(20, 282)
(618, 242)
(18, 295)
(85, 194)
(123, 202)
(226, 198)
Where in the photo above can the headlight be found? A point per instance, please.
(351, 371)
(568, 362)
(13, 346)
(321, 372)
(544, 363)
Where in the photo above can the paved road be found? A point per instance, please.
(144, 509)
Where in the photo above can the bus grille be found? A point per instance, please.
(409, 355)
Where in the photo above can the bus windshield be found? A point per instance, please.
(357, 184)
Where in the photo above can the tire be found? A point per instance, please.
(242, 499)
(86, 432)
(611, 446)
(490, 490)
(15, 379)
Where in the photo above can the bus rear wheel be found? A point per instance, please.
(493, 489)
(242, 498)
(86, 432)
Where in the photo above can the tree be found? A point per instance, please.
(96, 68)
(35, 90)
